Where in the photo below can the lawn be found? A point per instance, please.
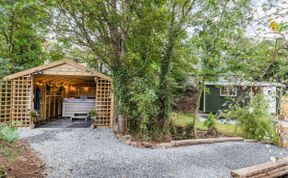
(227, 129)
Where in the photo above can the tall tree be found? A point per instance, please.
(219, 34)
(20, 35)
(137, 40)
(123, 36)
(180, 16)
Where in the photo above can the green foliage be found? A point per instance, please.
(21, 35)
(132, 41)
(144, 44)
(5, 67)
(7, 151)
(227, 129)
(15, 124)
(255, 120)
(172, 126)
(218, 33)
(210, 121)
(2, 172)
(218, 40)
(142, 97)
(257, 66)
(278, 27)
(92, 113)
(180, 132)
(189, 130)
(34, 115)
(8, 133)
(8, 136)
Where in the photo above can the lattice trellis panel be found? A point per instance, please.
(104, 103)
(5, 101)
(22, 100)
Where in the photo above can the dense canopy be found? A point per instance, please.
(152, 49)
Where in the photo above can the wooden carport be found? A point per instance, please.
(17, 92)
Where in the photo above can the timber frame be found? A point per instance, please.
(17, 92)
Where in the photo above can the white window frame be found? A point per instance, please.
(230, 90)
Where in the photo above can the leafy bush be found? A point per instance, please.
(92, 113)
(34, 115)
(255, 121)
(8, 133)
(141, 98)
(210, 121)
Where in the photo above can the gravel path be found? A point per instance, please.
(83, 152)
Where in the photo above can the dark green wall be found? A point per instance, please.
(214, 102)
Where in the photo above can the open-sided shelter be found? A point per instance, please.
(61, 88)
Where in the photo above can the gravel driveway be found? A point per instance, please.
(85, 153)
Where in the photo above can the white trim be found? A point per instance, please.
(229, 88)
(204, 102)
(245, 83)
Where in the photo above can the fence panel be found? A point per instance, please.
(5, 101)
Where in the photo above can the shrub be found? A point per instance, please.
(255, 121)
(92, 113)
(210, 121)
(142, 111)
(34, 116)
(8, 133)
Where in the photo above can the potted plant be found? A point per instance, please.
(34, 117)
(92, 114)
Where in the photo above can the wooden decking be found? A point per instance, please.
(66, 123)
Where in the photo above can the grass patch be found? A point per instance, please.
(227, 129)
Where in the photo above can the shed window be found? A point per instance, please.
(228, 91)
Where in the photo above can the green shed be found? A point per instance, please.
(218, 95)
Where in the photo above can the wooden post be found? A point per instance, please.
(5, 101)
(49, 106)
(111, 106)
(54, 109)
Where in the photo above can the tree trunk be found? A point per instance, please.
(164, 93)
(164, 96)
(197, 106)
